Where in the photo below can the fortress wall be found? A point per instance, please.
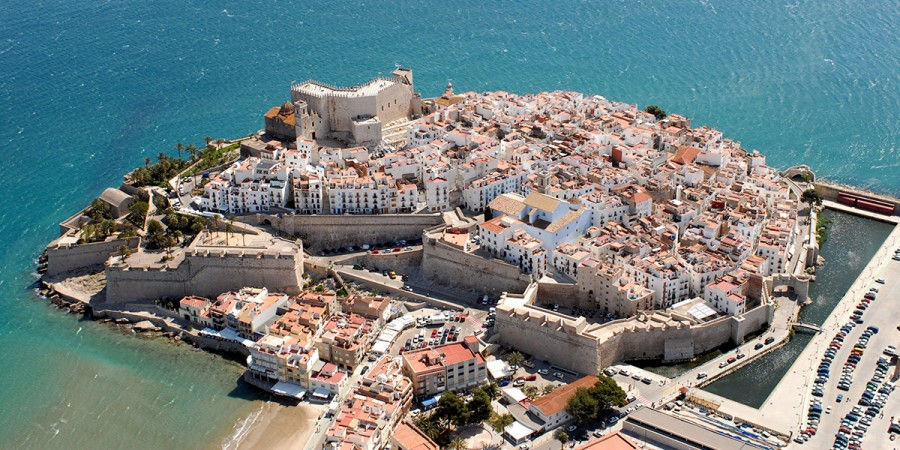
(571, 351)
(564, 294)
(586, 354)
(327, 231)
(390, 290)
(67, 258)
(205, 276)
(400, 262)
(445, 264)
(394, 102)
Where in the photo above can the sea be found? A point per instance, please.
(89, 89)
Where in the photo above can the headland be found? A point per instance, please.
(582, 232)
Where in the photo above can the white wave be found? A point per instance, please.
(241, 429)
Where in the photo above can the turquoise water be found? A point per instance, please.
(89, 89)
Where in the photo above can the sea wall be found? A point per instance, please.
(205, 274)
(63, 258)
(831, 190)
(333, 231)
(449, 265)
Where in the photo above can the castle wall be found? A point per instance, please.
(328, 231)
(448, 265)
(205, 275)
(66, 258)
(568, 350)
(400, 262)
(585, 352)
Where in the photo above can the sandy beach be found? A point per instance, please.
(276, 426)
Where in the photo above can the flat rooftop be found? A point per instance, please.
(682, 430)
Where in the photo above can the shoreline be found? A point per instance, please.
(275, 426)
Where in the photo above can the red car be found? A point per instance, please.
(434, 332)
(375, 252)
(731, 360)
(396, 249)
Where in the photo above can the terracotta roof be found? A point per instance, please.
(410, 437)
(685, 155)
(557, 400)
(614, 441)
(541, 201)
(509, 203)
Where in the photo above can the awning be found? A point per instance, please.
(517, 431)
(289, 390)
(431, 401)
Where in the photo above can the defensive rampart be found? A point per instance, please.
(327, 231)
(62, 258)
(447, 264)
(576, 344)
(205, 272)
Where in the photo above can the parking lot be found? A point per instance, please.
(859, 373)
(432, 334)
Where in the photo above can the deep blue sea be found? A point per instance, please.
(88, 89)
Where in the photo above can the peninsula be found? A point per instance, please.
(477, 267)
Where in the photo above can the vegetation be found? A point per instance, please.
(187, 225)
(562, 437)
(212, 156)
(515, 358)
(596, 401)
(159, 173)
(167, 167)
(658, 112)
(822, 225)
(99, 210)
(531, 391)
(807, 177)
(811, 196)
(341, 292)
(137, 212)
(499, 423)
(453, 412)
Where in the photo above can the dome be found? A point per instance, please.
(287, 109)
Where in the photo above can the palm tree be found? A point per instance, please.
(516, 358)
(179, 146)
(457, 444)
(229, 227)
(208, 139)
(562, 437)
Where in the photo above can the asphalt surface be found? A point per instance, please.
(883, 314)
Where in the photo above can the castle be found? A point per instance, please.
(368, 114)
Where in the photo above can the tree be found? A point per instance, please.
(99, 210)
(179, 147)
(583, 405)
(499, 423)
(451, 411)
(657, 112)
(562, 437)
(492, 390)
(531, 391)
(516, 358)
(457, 444)
(548, 388)
(811, 196)
(479, 408)
(208, 139)
(229, 227)
(589, 403)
